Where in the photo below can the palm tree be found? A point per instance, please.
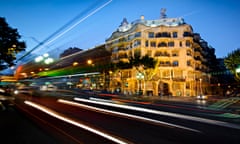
(232, 62)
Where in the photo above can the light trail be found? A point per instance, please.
(192, 118)
(81, 20)
(126, 115)
(68, 120)
(48, 40)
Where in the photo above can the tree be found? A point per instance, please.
(9, 44)
(232, 62)
(145, 65)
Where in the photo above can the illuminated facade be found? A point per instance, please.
(183, 59)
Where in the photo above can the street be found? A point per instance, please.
(15, 128)
(73, 120)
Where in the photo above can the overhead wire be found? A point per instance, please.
(54, 35)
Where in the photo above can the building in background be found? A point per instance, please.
(183, 58)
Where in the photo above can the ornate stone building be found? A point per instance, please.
(183, 58)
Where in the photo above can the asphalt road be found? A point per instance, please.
(24, 124)
(17, 128)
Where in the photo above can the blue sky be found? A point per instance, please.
(217, 21)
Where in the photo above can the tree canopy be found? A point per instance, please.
(9, 44)
(137, 61)
(232, 62)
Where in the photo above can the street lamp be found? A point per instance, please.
(140, 77)
(89, 62)
(45, 58)
(200, 85)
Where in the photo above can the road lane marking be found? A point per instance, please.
(187, 117)
(126, 115)
(68, 120)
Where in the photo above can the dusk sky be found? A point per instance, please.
(217, 21)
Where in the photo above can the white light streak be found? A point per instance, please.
(192, 118)
(77, 23)
(68, 120)
(126, 115)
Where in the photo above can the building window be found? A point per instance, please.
(158, 53)
(175, 63)
(130, 37)
(136, 43)
(175, 53)
(171, 44)
(180, 44)
(167, 63)
(158, 35)
(151, 35)
(175, 34)
(166, 34)
(166, 54)
(188, 44)
(189, 53)
(187, 34)
(163, 34)
(146, 43)
(162, 44)
(137, 34)
(153, 44)
(188, 63)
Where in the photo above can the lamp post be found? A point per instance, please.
(200, 85)
(140, 77)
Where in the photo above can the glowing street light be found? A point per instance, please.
(75, 63)
(238, 70)
(89, 62)
(45, 58)
(140, 76)
(38, 59)
(238, 73)
(48, 60)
